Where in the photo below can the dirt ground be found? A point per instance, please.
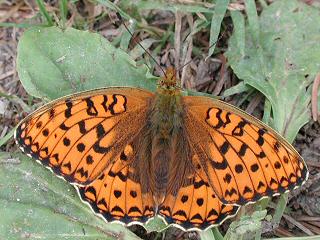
(304, 217)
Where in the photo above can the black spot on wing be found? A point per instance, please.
(51, 113)
(91, 109)
(184, 198)
(82, 127)
(117, 193)
(219, 165)
(64, 127)
(224, 147)
(133, 194)
(254, 167)
(238, 130)
(89, 159)
(114, 102)
(231, 192)
(239, 168)
(180, 213)
(45, 132)
(104, 103)
(243, 149)
(100, 130)
(67, 112)
(82, 172)
(227, 178)
(134, 209)
(39, 124)
(66, 141)
(81, 147)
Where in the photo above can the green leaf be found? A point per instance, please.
(156, 225)
(236, 89)
(52, 63)
(168, 6)
(246, 226)
(281, 49)
(38, 205)
(115, 8)
(207, 235)
(44, 12)
(253, 21)
(127, 35)
(217, 17)
(138, 51)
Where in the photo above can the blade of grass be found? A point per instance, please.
(217, 17)
(297, 238)
(63, 4)
(126, 35)
(281, 206)
(137, 51)
(207, 235)
(44, 12)
(21, 25)
(7, 137)
(266, 112)
(217, 234)
(114, 7)
(263, 3)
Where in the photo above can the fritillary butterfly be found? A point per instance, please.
(133, 154)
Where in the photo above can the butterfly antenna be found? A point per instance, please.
(219, 38)
(147, 52)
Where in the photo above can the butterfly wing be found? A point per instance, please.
(78, 136)
(243, 159)
(195, 205)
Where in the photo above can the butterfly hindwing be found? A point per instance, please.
(76, 136)
(117, 194)
(195, 205)
(243, 158)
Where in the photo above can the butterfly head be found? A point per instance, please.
(168, 83)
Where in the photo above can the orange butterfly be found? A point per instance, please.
(133, 154)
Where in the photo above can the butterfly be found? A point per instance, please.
(134, 154)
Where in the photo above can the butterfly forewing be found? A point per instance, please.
(243, 158)
(77, 136)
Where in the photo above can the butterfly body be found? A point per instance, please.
(133, 154)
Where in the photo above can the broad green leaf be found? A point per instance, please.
(53, 63)
(280, 51)
(38, 205)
